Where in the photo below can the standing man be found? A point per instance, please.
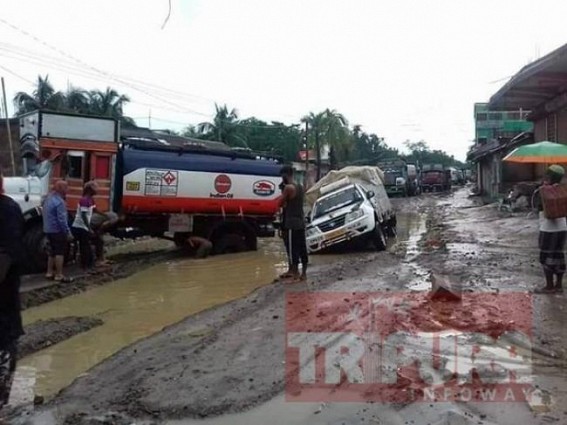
(294, 219)
(552, 237)
(11, 262)
(56, 228)
(283, 234)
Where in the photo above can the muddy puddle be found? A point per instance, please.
(143, 304)
(411, 228)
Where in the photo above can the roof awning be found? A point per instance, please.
(535, 84)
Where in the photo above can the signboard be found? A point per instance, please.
(161, 182)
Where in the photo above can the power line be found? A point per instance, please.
(108, 75)
(31, 54)
(16, 75)
(90, 75)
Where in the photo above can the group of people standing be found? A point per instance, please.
(87, 229)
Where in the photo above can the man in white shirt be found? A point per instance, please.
(552, 237)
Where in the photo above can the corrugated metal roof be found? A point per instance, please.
(534, 84)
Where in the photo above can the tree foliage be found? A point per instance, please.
(108, 103)
(421, 153)
(326, 129)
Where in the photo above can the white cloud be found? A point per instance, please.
(383, 64)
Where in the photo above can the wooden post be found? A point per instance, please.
(8, 129)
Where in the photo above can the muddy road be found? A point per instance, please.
(204, 342)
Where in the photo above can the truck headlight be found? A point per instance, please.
(311, 231)
(354, 215)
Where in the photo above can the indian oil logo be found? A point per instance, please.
(223, 184)
(264, 188)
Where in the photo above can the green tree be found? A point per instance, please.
(337, 137)
(316, 125)
(44, 96)
(421, 153)
(223, 128)
(77, 100)
(107, 103)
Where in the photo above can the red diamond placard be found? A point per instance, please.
(168, 177)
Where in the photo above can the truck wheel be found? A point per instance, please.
(229, 243)
(35, 243)
(379, 238)
(391, 230)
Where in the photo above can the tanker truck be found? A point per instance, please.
(227, 197)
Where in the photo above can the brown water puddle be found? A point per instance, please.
(143, 304)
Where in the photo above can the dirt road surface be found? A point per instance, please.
(227, 364)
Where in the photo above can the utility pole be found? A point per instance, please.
(150, 119)
(318, 153)
(8, 129)
(306, 147)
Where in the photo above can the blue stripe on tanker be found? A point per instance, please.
(135, 159)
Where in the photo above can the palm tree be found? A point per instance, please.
(329, 128)
(224, 127)
(107, 103)
(44, 96)
(315, 123)
(337, 136)
(77, 100)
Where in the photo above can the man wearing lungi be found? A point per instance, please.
(552, 236)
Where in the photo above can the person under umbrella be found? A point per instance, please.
(552, 237)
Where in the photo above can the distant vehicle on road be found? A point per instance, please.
(435, 178)
(400, 178)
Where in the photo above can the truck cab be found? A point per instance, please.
(347, 211)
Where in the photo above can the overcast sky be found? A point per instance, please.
(403, 69)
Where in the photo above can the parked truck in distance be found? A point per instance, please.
(347, 205)
(400, 178)
(435, 178)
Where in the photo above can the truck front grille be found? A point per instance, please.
(332, 224)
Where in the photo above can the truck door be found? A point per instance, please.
(100, 171)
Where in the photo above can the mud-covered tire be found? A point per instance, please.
(379, 238)
(229, 243)
(35, 244)
(391, 229)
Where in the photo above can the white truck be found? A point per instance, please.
(349, 204)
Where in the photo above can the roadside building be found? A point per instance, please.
(496, 134)
(540, 87)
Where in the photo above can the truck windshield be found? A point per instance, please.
(390, 176)
(336, 200)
